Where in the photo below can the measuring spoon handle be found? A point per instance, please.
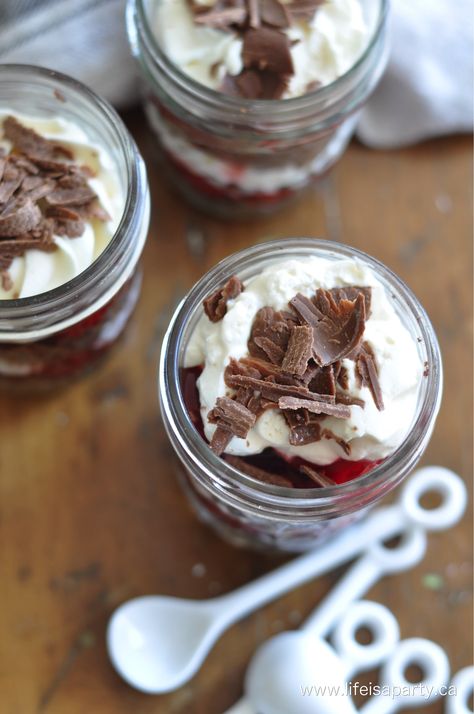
(384, 523)
(360, 578)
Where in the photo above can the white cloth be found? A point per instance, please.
(426, 91)
(427, 88)
(83, 38)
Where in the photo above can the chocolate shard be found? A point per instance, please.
(273, 351)
(299, 350)
(254, 13)
(269, 325)
(345, 446)
(30, 143)
(220, 440)
(255, 84)
(272, 479)
(349, 400)
(302, 429)
(273, 391)
(274, 14)
(341, 375)
(323, 381)
(221, 19)
(262, 367)
(73, 196)
(340, 411)
(317, 477)
(62, 213)
(215, 306)
(350, 292)
(366, 369)
(267, 49)
(233, 416)
(338, 326)
(11, 181)
(21, 218)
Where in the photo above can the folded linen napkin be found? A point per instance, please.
(426, 91)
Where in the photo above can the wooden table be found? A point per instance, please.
(91, 514)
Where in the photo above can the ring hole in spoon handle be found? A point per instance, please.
(448, 486)
(461, 700)
(408, 551)
(429, 658)
(381, 625)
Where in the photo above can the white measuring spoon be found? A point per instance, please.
(397, 692)
(463, 685)
(157, 643)
(289, 662)
(382, 625)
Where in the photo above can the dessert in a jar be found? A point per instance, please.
(299, 383)
(252, 100)
(74, 213)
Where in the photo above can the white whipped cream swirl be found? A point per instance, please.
(372, 434)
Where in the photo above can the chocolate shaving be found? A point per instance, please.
(254, 13)
(315, 476)
(299, 350)
(15, 222)
(273, 391)
(274, 14)
(233, 416)
(302, 432)
(366, 369)
(215, 306)
(328, 434)
(220, 440)
(221, 19)
(349, 400)
(338, 326)
(267, 49)
(340, 411)
(270, 325)
(323, 381)
(351, 292)
(257, 473)
(274, 353)
(71, 196)
(30, 143)
(40, 195)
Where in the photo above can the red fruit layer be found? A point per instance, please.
(340, 471)
(230, 192)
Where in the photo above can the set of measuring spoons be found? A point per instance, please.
(158, 643)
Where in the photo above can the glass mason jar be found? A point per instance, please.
(236, 157)
(251, 513)
(59, 333)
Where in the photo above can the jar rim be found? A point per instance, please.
(193, 449)
(292, 106)
(96, 272)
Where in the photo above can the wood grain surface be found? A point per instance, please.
(91, 514)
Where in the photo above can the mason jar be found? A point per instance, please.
(236, 157)
(251, 513)
(62, 332)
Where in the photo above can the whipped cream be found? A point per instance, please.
(323, 48)
(37, 271)
(372, 434)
